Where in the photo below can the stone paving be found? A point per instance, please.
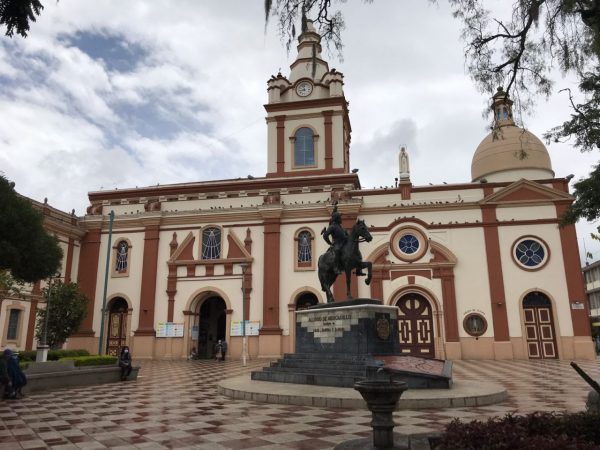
(174, 404)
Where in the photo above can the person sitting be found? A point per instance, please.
(5, 383)
(125, 363)
(193, 354)
(16, 375)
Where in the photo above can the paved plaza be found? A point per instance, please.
(174, 404)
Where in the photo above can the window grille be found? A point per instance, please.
(122, 256)
(304, 247)
(304, 148)
(211, 243)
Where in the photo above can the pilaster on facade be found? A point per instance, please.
(272, 267)
(495, 275)
(88, 273)
(149, 276)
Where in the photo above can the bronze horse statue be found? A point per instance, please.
(350, 258)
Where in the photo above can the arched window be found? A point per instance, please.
(121, 257)
(304, 247)
(211, 243)
(122, 254)
(304, 250)
(13, 324)
(304, 148)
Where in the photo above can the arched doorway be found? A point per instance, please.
(415, 325)
(116, 337)
(210, 320)
(539, 326)
(306, 300)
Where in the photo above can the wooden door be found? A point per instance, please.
(539, 330)
(415, 325)
(117, 329)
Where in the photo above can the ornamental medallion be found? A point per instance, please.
(383, 329)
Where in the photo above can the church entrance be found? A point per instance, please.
(117, 326)
(210, 321)
(415, 325)
(539, 326)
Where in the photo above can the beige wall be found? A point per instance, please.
(550, 279)
(471, 276)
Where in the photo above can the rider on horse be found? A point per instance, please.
(340, 237)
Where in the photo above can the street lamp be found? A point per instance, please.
(244, 340)
(42, 349)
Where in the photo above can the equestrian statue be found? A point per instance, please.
(343, 254)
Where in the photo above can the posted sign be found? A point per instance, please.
(169, 329)
(251, 328)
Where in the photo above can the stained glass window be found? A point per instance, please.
(304, 148)
(304, 247)
(122, 255)
(13, 322)
(211, 243)
(408, 244)
(530, 253)
(475, 324)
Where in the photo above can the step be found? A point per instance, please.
(316, 370)
(306, 378)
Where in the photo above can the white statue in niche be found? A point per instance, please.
(404, 165)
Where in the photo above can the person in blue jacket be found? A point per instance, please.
(16, 375)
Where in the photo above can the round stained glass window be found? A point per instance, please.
(408, 244)
(530, 253)
(475, 324)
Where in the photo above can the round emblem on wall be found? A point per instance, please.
(530, 253)
(409, 243)
(304, 89)
(383, 329)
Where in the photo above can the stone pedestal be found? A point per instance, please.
(338, 344)
(335, 343)
(355, 327)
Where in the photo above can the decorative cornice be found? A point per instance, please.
(306, 104)
(230, 187)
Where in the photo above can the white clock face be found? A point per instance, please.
(304, 89)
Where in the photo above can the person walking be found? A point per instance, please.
(16, 375)
(125, 363)
(223, 349)
(218, 350)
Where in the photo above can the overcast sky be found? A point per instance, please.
(111, 94)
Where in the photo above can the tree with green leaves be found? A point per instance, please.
(16, 15)
(26, 248)
(517, 52)
(68, 308)
(27, 252)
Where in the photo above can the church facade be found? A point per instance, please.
(478, 270)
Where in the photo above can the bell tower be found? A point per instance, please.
(307, 116)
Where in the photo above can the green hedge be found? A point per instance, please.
(93, 360)
(536, 431)
(53, 355)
